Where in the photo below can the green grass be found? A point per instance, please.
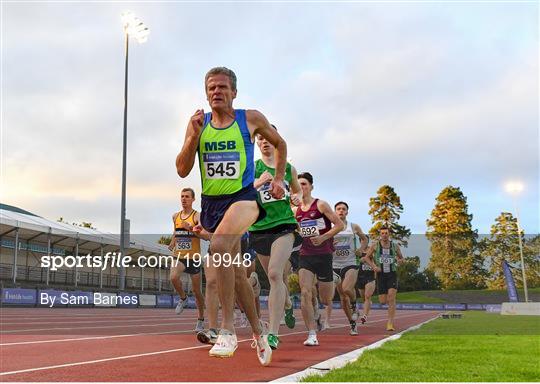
(483, 296)
(479, 347)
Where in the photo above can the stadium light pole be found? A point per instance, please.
(514, 188)
(133, 27)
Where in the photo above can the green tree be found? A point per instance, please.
(454, 259)
(385, 209)
(411, 279)
(165, 240)
(503, 244)
(532, 261)
(84, 224)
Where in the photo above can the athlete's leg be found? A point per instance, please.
(211, 296)
(368, 292)
(348, 284)
(245, 296)
(326, 292)
(226, 240)
(306, 299)
(391, 305)
(280, 252)
(345, 303)
(199, 299)
(176, 271)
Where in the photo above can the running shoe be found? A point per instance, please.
(200, 325)
(273, 341)
(354, 330)
(363, 319)
(390, 326)
(264, 351)
(225, 345)
(180, 306)
(290, 320)
(208, 337)
(311, 341)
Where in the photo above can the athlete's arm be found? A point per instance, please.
(263, 179)
(186, 157)
(368, 258)
(198, 230)
(325, 209)
(363, 239)
(400, 258)
(258, 124)
(296, 195)
(171, 243)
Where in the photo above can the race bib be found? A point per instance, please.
(386, 260)
(266, 197)
(309, 228)
(222, 165)
(342, 252)
(183, 240)
(366, 267)
(183, 244)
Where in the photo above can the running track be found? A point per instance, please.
(95, 344)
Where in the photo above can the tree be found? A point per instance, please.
(411, 279)
(385, 209)
(166, 240)
(531, 253)
(503, 244)
(454, 259)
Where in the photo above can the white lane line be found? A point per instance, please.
(149, 353)
(94, 338)
(88, 321)
(78, 328)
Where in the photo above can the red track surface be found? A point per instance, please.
(63, 344)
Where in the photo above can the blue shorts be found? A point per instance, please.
(213, 208)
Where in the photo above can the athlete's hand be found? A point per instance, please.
(171, 247)
(377, 269)
(317, 240)
(400, 260)
(266, 177)
(196, 122)
(295, 200)
(277, 190)
(197, 229)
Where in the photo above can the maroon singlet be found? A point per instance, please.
(313, 223)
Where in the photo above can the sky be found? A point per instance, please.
(415, 95)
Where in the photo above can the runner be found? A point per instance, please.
(345, 264)
(365, 284)
(273, 237)
(186, 244)
(315, 218)
(383, 256)
(223, 142)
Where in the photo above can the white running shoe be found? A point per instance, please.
(311, 341)
(264, 352)
(200, 325)
(225, 345)
(354, 330)
(180, 306)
